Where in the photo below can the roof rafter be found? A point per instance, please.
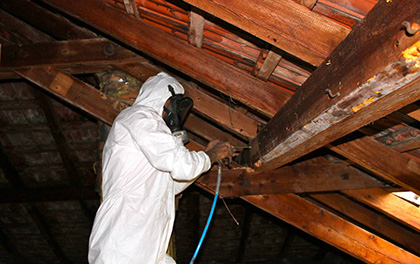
(290, 179)
(72, 53)
(344, 94)
(180, 55)
(280, 28)
(75, 92)
(389, 204)
(382, 160)
(332, 229)
(371, 219)
(51, 23)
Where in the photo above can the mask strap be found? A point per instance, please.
(171, 89)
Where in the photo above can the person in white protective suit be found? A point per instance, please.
(144, 167)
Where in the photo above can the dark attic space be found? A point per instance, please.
(319, 97)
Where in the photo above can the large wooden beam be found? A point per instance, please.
(332, 229)
(51, 23)
(172, 51)
(371, 219)
(75, 92)
(382, 160)
(16, 31)
(389, 204)
(289, 179)
(372, 73)
(292, 27)
(65, 53)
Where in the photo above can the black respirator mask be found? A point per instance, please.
(176, 113)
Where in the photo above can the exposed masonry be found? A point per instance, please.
(392, 78)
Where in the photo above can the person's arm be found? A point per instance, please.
(216, 150)
(166, 153)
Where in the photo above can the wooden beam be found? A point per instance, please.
(382, 160)
(19, 32)
(65, 53)
(307, 3)
(174, 52)
(40, 222)
(407, 144)
(269, 65)
(131, 8)
(51, 23)
(388, 204)
(195, 33)
(292, 28)
(10, 172)
(60, 141)
(290, 179)
(16, 254)
(245, 228)
(74, 91)
(372, 73)
(332, 229)
(375, 221)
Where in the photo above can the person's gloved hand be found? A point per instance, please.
(219, 150)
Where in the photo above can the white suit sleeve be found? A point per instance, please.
(165, 153)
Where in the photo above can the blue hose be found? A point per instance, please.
(219, 179)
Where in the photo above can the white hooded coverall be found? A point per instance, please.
(143, 168)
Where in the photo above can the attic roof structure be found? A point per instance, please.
(325, 92)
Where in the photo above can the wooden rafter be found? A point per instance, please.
(19, 31)
(389, 204)
(9, 247)
(45, 231)
(74, 91)
(71, 53)
(195, 33)
(382, 160)
(269, 65)
(59, 139)
(375, 221)
(332, 229)
(131, 7)
(290, 179)
(192, 61)
(51, 23)
(280, 28)
(11, 174)
(343, 94)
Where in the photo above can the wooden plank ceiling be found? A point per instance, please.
(326, 93)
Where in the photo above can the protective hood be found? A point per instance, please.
(154, 93)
